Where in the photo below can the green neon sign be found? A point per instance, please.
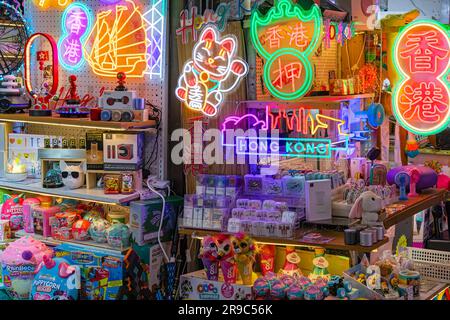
(286, 37)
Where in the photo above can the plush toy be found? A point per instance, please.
(209, 256)
(55, 280)
(244, 248)
(369, 207)
(73, 175)
(225, 254)
(12, 210)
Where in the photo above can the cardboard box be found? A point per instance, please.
(101, 270)
(145, 219)
(123, 151)
(195, 286)
(94, 150)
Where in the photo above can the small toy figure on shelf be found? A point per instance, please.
(209, 256)
(73, 176)
(267, 254)
(121, 77)
(291, 263)
(73, 107)
(320, 265)
(244, 248)
(369, 208)
(226, 258)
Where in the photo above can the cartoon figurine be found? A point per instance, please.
(291, 263)
(225, 254)
(320, 265)
(244, 248)
(213, 72)
(209, 256)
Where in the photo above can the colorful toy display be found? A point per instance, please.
(19, 262)
(12, 210)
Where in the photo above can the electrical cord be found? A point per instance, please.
(161, 219)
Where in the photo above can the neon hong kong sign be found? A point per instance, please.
(286, 38)
(76, 23)
(297, 120)
(421, 100)
(212, 73)
(284, 147)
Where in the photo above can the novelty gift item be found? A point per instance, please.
(244, 248)
(97, 230)
(226, 258)
(12, 210)
(19, 261)
(80, 230)
(369, 207)
(320, 265)
(55, 280)
(291, 263)
(73, 175)
(118, 235)
(28, 205)
(209, 256)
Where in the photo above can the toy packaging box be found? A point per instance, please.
(123, 151)
(196, 286)
(94, 150)
(102, 271)
(145, 219)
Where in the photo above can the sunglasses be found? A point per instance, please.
(74, 174)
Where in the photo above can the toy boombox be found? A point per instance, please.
(117, 100)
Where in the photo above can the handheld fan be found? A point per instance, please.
(414, 175)
(402, 180)
(374, 114)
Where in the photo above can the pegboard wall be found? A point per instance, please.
(153, 88)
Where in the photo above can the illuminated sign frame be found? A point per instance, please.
(286, 10)
(440, 80)
(79, 39)
(203, 90)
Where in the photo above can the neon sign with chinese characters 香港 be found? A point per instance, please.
(297, 120)
(286, 38)
(421, 99)
(76, 23)
(214, 71)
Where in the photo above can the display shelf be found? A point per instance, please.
(332, 101)
(336, 244)
(79, 122)
(82, 194)
(53, 242)
(425, 200)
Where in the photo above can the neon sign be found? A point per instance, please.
(297, 120)
(155, 19)
(76, 23)
(421, 100)
(41, 57)
(286, 37)
(191, 21)
(45, 4)
(214, 71)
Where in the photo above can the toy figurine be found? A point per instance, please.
(291, 263)
(226, 258)
(73, 176)
(320, 265)
(369, 207)
(209, 256)
(244, 248)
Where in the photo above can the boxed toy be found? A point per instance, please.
(102, 270)
(145, 219)
(123, 151)
(196, 286)
(94, 150)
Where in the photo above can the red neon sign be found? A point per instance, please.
(421, 101)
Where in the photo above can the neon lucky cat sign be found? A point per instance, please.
(298, 120)
(212, 73)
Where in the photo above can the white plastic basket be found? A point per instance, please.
(432, 264)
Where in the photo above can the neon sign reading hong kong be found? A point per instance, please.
(214, 71)
(298, 120)
(421, 100)
(76, 23)
(286, 37)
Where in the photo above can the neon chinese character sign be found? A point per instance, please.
(45, 4)
(421, 100)
(286, 37)
(76, 23)
(214, 71)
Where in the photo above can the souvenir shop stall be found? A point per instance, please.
(85, 207)
(331, 178)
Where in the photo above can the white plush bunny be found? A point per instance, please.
(369, 207)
